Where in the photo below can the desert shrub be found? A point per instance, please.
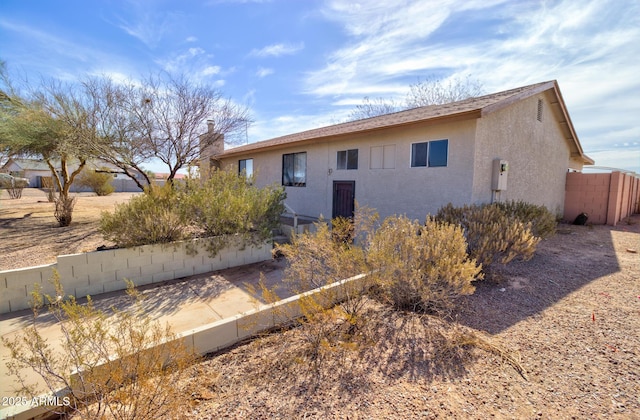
(223, 208)
(14, 186)
(421, 267)
(325, 257)
(492, 233)
(64, 209)
(127, 364)
(149, 218)
(98, 182)
(543, 222)
(15, 191)
(227, 204)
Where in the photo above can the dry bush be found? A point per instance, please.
(14, 186)
(492, 234)
(126, 364)
(421, 267)
(98, 182)
(317, 260)
(15, 192)
(64, 209)
(543, 222)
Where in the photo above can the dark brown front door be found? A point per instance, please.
(343, 198)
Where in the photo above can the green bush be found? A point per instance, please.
(98, 182)
(543, 222)
(225, 204)
(421, 267)
(228, 204)
(152, 217)
(492, 233)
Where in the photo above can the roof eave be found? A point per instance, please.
(465, 115)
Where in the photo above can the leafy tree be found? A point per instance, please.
(52, 123)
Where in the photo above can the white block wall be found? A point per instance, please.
(229, 331)
(98, 272)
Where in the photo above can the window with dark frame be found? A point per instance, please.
(430, 154)
(246, 165)
(294, 169)
(347, 159)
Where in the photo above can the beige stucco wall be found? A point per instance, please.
(401, 189)
(537, 152)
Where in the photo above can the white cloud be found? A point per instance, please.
(590, 47)
(191, 39)
(277, 50)
(146, 24)
(263, 72)
(210, 70)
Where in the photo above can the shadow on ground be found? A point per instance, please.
(573, 258)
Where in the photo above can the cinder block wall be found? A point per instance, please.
(607, 198)
(98, 272)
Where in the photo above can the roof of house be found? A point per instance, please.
(29, 164)
(465, 109)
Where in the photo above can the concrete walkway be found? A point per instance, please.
(185, 304)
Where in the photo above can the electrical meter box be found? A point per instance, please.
(499, 175)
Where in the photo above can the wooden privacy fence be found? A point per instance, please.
(607, 198)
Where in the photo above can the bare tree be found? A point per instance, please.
(433, 91)
(119, 139)
(373, 108)
(430, 91)
(160, 118)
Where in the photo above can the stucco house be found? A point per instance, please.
(511, 145)
(33, 170)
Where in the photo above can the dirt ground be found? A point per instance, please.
(30, 235)
(554, 337)
(557, 337)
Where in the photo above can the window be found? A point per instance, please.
(294, 169)
(347, 159)
(383, 157)
(430, 153)
(246, 165)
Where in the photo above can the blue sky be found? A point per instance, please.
(301, 64)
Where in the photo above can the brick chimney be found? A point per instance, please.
(211, 145)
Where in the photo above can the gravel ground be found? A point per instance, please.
(556, 337)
